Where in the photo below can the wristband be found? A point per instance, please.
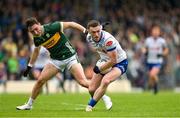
(30, 65)
(84, 31)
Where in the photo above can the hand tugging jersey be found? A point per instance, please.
(107, 43)
(55, 41)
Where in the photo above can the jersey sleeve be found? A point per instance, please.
(110, 44)
(55, 26)
(61, 26)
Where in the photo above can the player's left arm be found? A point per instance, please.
(165, 48)
(165, 51)
(74, 25)
(112, 54)
(113, 60)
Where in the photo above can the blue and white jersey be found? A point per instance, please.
(107, 43)
(154, 48)
(43, 57)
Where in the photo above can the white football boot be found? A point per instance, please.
(24, 107)
(107, 102)
(89, 108)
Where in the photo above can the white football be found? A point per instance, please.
(100, 62)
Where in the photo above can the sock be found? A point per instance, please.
(155, 88)
(92, 102)
(30, 101)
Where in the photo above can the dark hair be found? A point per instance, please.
(93, 23)
(31, 21)
(155, 26)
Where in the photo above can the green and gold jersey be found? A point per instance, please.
(55, 41)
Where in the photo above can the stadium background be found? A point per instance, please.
(131, 21)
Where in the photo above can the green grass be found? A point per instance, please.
(165, 104)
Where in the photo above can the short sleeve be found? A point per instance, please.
(110, 44)
(61, 26)
(55, 26)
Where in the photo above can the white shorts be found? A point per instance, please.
(67, 63)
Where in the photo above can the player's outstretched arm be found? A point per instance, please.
(73, 25)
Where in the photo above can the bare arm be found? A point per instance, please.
(73, 25)
(34, 56)
(111, 62)
(165, 51)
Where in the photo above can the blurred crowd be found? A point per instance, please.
(131, 21)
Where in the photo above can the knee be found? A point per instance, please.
(152, 75)
(105, 82)
(84, 83)
(41, 81)
(91, 90)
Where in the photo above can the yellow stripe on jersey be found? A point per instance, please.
(52, 41)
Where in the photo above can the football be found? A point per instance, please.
(100, 63)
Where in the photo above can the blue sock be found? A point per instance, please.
(92, 102)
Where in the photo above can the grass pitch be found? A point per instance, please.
(164, 104)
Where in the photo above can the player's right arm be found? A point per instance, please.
(34, 53)
(32, 61)
(33, 58)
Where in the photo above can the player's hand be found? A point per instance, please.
(26, 72)
(96, 70)
(85, 31)
(146, 54)
(159, 55)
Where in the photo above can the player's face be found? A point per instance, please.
(95, 32)
(35, 29)
(156, 31)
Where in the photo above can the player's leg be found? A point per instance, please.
(100, 91)
(36, 72)
(107, 79)
(47, 88)
(153, 76)
(5, 86)
(48, 72)
(60, 82)
(94, 84)
(78, 73)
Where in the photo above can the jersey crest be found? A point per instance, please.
(109, 43)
